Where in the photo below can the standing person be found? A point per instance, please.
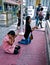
(19, 18)
(47, 18)
(26, 13)
(40, 14)
(8, 43)
(28, 32)
(37, 10)
(47, 15)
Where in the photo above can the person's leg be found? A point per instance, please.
(37, 21)
(29, 40)
(19, 22)
(38, 24)
(23, 41)
(41, 24)
(26, 41)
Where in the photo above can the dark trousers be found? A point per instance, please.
(40, 23)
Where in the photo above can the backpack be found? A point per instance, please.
(31, 36)
(40, 15)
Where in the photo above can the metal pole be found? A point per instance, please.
(3, 5)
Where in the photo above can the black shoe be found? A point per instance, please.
(17, 47)
(16, 51)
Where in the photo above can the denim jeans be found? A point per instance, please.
(25, 41)
(37, 21)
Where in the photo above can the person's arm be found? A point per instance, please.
(16, 35)
(34, 28)
(9, 42)
(13, 38)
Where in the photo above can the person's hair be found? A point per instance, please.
(11, 33)
(41, 9)
(27, 19)
(39, 4)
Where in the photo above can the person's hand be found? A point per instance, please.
(10, 42)
(15, 36)
(34, 28)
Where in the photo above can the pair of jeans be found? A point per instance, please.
(37, 18)
(25, 41)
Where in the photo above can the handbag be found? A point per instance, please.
(31, 37)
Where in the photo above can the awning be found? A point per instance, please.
(12, 2)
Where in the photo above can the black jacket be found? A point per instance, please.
(27, 30)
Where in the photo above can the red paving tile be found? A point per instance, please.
(31, 54)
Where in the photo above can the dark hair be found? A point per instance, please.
(27, 18)
(41, 9)
(39, 4)
(11, 33)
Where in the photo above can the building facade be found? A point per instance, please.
(36, 2)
